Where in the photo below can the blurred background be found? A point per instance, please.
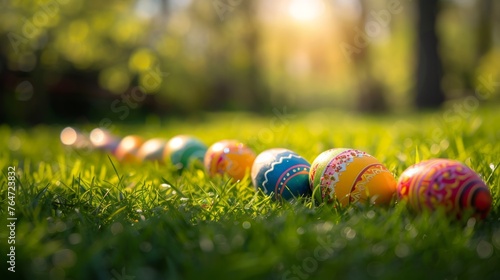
(65, 61)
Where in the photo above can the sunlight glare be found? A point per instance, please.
(305, 10)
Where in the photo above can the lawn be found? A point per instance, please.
(83, 215)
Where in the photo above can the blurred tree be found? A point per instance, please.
(235, 80)
(63, 61)
(429, 93)
(371, 96)
(75, 56)
(256, 87)
(483, 22)
(484, 28)
(466, 43)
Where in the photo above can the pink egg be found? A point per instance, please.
(445, 184)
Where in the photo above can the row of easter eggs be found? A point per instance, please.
(347, 176)
(350, 176)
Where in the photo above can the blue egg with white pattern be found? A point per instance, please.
(282, 173)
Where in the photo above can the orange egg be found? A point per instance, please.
(229, 157)
(128, 147)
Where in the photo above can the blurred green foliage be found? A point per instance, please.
(191, 55)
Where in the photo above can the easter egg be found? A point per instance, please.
(351, 176)
(128, 147)
(446, 184)
(152, 150)
(229, 157)
(104, 140)
(183, 149)
(282, 172)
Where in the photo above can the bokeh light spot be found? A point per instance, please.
(24, 91)
(115, 79)
(141, 60)
(14, 143)
(68, 136)
(484, 249)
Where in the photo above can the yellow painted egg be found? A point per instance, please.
(351, 176)
(229, 157)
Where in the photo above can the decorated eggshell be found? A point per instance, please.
(445, 184)
(229, 157)
(103, 140)
(183, 149)
(152, 150)
(351, 176)
(282, 172)
(128, 147)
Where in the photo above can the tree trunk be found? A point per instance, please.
(429, 67)
(485, 26)
(255, 81)
(371, 92)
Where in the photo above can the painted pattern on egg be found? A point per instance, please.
(282, 172)
(333, 170)
(351, 176)
(446, 184)
(229, 157)
(363, 179)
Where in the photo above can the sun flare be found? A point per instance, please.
(305, 10)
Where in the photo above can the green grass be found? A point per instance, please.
(82, 215)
